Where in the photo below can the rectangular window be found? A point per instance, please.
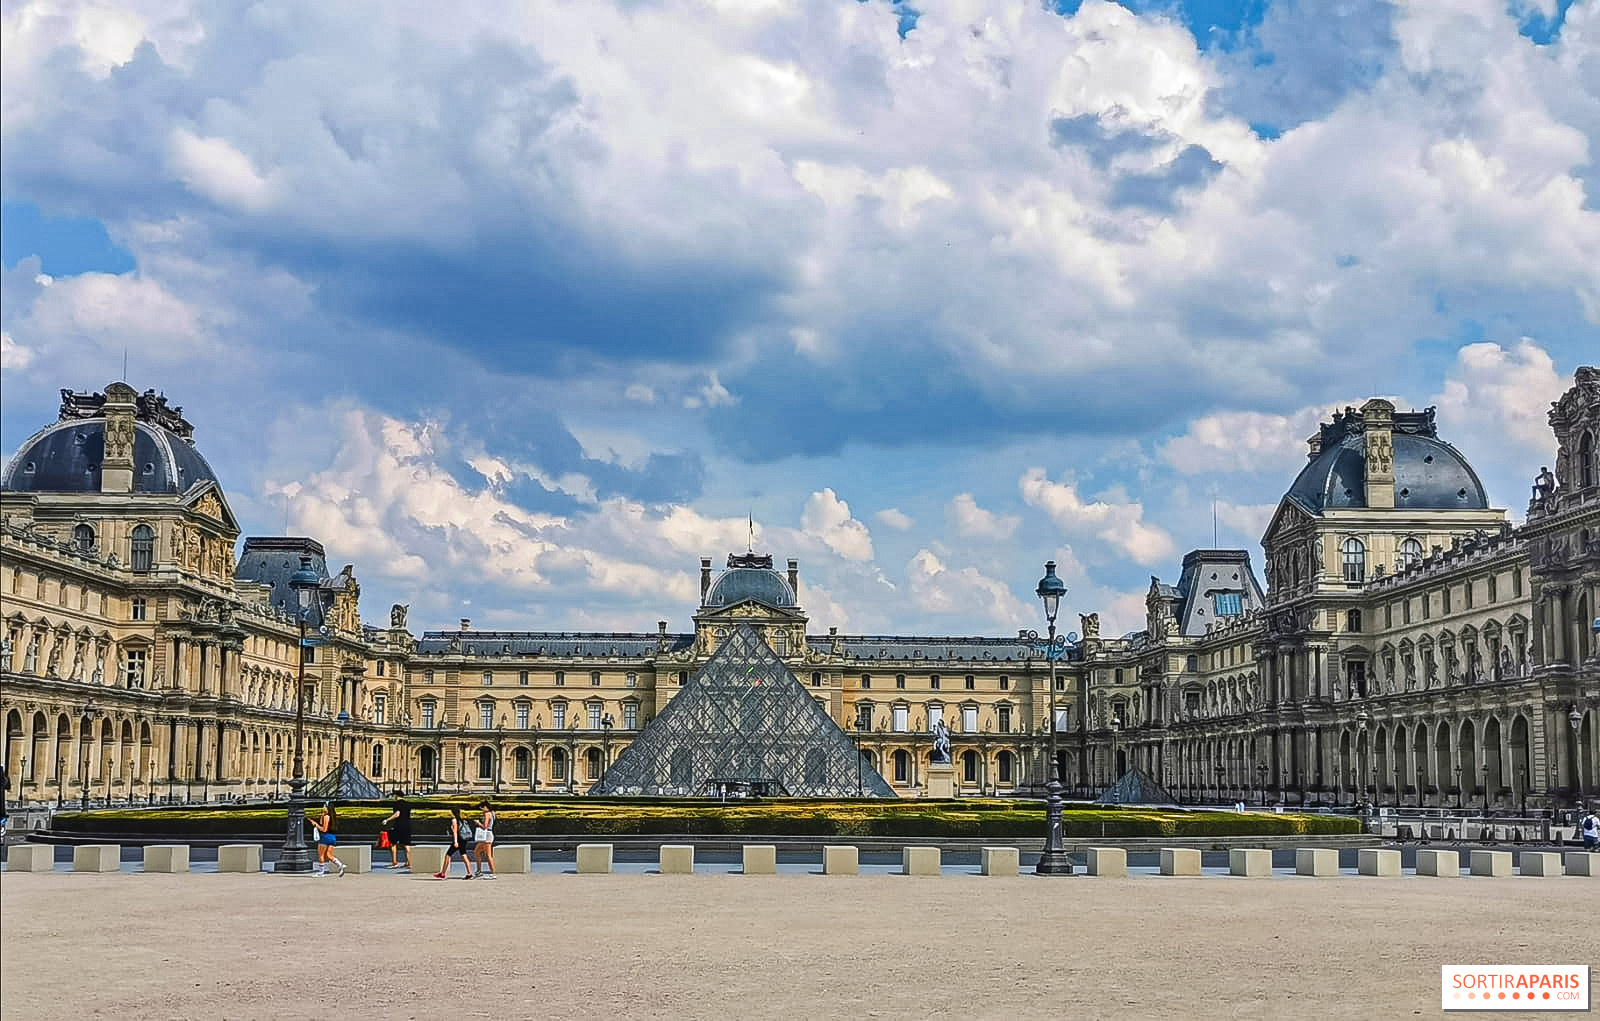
(1427, 606)
(309, 651)
(863, 716)
(485, 715)
(380, 709)
(561, 678)
(136, 608)
(522, 715)
(1228, 604)
(1494, 585)
(1003, 717)
(135, 668)
(1516, 583)
(935, 716)
(1005, 683)
(427, 715)
(485, 765)
(866, 680)
(519, 764)
(1119, 675)
(523, 678)
(900, 681)
(780, 643)
(633, 679)
(1405, 612)
(969, 719)
(683, 678)
(1061, 684)
(488, 678)
(558, 767)
(594, 678)
(558, 715)
(427, 677)
(1063, 719)
(594, 716)
(380, 668)
(933, 682)
(816, 678)
(899, 718)
(1444, 599)
(972, 683)
(1388, 615)
(630, 716)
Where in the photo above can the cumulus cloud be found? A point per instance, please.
(896, 519)
(1118, 522)
(965, 592)
(828, 518)
(13, 355)
(973, 521)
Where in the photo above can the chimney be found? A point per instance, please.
(794, 578)
(705, 578)
(116, 468)
(1315, 443)
(1377, 418)
(661, 627)
(466, 623)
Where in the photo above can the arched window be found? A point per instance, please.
(485, 764)
(425, 763)
(83, 539)
(1191, 663)
(144, 547)
(1586, 459)
(1004, 762)
(1410, 553)
(558, 765)
(969, 767)
(902, 766)
(377, 760)
(519, 763)
(1355, 561)
(592, 758)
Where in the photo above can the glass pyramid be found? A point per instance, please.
(743, 724)
(1136, 787)
(344, 783)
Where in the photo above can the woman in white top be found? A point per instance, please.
(484, 849)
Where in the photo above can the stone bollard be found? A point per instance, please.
(428, 858)
(1000, 861)
(594, 859)
(1541, 863)
(97, 858)
(1490, 863)
(677, 859)
(1108, 861)
(1583, 863)
(1180, 861)
(841, 860)
(357, 858)
(1250, 862)
(1443, 864)
(31, 858)
(1378, 861)
(166, 858)
(239, 858)
(920, 861)
(512, 859)
(760, 859)
(1316, 861)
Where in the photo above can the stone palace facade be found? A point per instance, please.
(1410, 646)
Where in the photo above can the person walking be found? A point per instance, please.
(399, 824)
(327, 838)
(461, 843)
(1591, 831)
(483, 842)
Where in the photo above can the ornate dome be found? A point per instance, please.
(738, 584)
(1429, 474)
(65, 457)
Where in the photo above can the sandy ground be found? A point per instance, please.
(797, 946)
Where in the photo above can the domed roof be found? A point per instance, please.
(1429, 474)
(65, 457)
(738, 584)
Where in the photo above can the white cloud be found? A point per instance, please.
(896, 519)
(965, 592)
(212, 167)
(828, 518)
(973, 521)
(13, 355)
(640, 392)
(711, 395)
(1503, 394)
(1117, 522)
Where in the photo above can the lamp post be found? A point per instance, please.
(295, 858)
(606, 724)
(61, 782)
(858, 756)
(1575, 718)
(1458, 787)
(533, 766)
(499, 751)
(1522, 786)
(1422, 775)
(1483, 770)
(1363, 718)
(277, 777)
(1053, 860)
(1261, 772)
(87, 714)
(1221, 772)
(572, 755)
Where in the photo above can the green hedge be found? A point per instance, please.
(808, 817)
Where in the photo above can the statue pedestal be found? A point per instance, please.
(942, 780)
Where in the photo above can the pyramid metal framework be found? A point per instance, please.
(744, 722)
(345, 783)
(1136, 787)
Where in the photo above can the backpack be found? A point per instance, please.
(463, 832)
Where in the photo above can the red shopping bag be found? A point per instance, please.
(383, 840)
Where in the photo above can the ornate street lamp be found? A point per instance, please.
(1422, 776)
(295, 858)
(277, 777)
(533, 766)
(1261, 772)
(1484, 770)
(1458, 787)
(1575, 718)
(87, 714)
(499, 751)
(606, 723)
(1053, 860)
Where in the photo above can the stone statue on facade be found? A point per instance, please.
(77, 663)
(99, 676)
(1090, 623)
(53, 668)
(30, 658)
(941, 744)
(1544, 485)
(397, 616)
(1506, 667)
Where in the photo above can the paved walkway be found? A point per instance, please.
(718, 946)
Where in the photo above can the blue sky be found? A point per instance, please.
(524, 316)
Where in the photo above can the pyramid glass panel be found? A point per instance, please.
(743, 724)
(344, 783)
(1136, 787)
